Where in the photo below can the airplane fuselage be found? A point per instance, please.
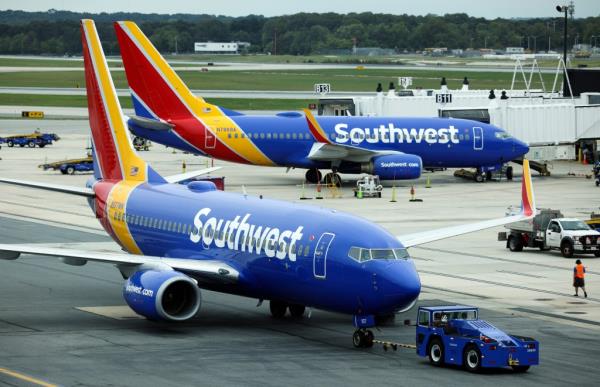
(286, 140)
(289, 252)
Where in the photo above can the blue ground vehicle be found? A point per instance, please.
(455, 335)
(30, 140)
(71, 166)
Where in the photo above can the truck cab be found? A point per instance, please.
(571, 236)
(454, 334)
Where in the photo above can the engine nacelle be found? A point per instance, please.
(395, 167)
(162, 295)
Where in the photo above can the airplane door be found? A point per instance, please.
(320, 257)
(210, 140)
(477, 138)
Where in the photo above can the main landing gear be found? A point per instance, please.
(280, 308)
(314, 176)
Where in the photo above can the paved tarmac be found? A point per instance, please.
(45, 336)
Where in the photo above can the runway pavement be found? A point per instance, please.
(44, 335)
(69, 325)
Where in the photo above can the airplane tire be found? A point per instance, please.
(70, 170)
(509, 173)
(278, 308)
(297, 311)
(334, 179)
(520, 369)
(10, 143)
(362, 338)
(31, 144)
(480, 177)
(313, 176)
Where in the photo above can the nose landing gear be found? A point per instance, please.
(363, 338)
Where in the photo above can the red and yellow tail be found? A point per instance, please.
(157, 91)
(527, 196)
(115, 158)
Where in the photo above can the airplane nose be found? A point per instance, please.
(520, 148)
(403, 284)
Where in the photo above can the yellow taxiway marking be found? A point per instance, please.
(26, 378)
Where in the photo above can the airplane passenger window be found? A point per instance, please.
(306, 250)
(269, 135)
(461, 137)
(228, 135)
(294, 136)
(235, 135)
(292, 249)
(467, 137)
(287, 136)
(179, 228)
(262, 136)
(243, 135)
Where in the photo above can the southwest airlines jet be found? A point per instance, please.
(178, 239)
(394, 148)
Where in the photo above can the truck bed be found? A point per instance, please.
(538, 223)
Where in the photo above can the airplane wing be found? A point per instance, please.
(210, 270)
(329, 151)
(325, 150)
(81, 191)
(528, 211)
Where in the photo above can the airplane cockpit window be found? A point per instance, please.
(502, 135)
(363, 255)
(382, 254)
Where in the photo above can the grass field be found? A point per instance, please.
(81, 101)
(293, 80)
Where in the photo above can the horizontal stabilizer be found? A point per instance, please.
(152, 124)
(81, 191)
(189, 175)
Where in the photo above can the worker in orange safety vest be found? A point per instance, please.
(578, 278)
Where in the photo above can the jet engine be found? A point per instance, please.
(394, 167)
(162, 295)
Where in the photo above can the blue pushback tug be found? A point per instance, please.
(455, 335)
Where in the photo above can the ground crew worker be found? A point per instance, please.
(578, 278)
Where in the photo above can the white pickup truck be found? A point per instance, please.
(549, 230)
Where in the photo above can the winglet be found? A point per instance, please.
(314, 127)
(527, 196)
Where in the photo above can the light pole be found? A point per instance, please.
(565, 9)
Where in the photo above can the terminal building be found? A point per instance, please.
(555, 125)
(220, 47)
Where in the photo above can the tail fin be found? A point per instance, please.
(156, 90)
(115, 158)
(527, 196)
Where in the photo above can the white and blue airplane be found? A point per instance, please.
(180, 238)
(394, 148)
